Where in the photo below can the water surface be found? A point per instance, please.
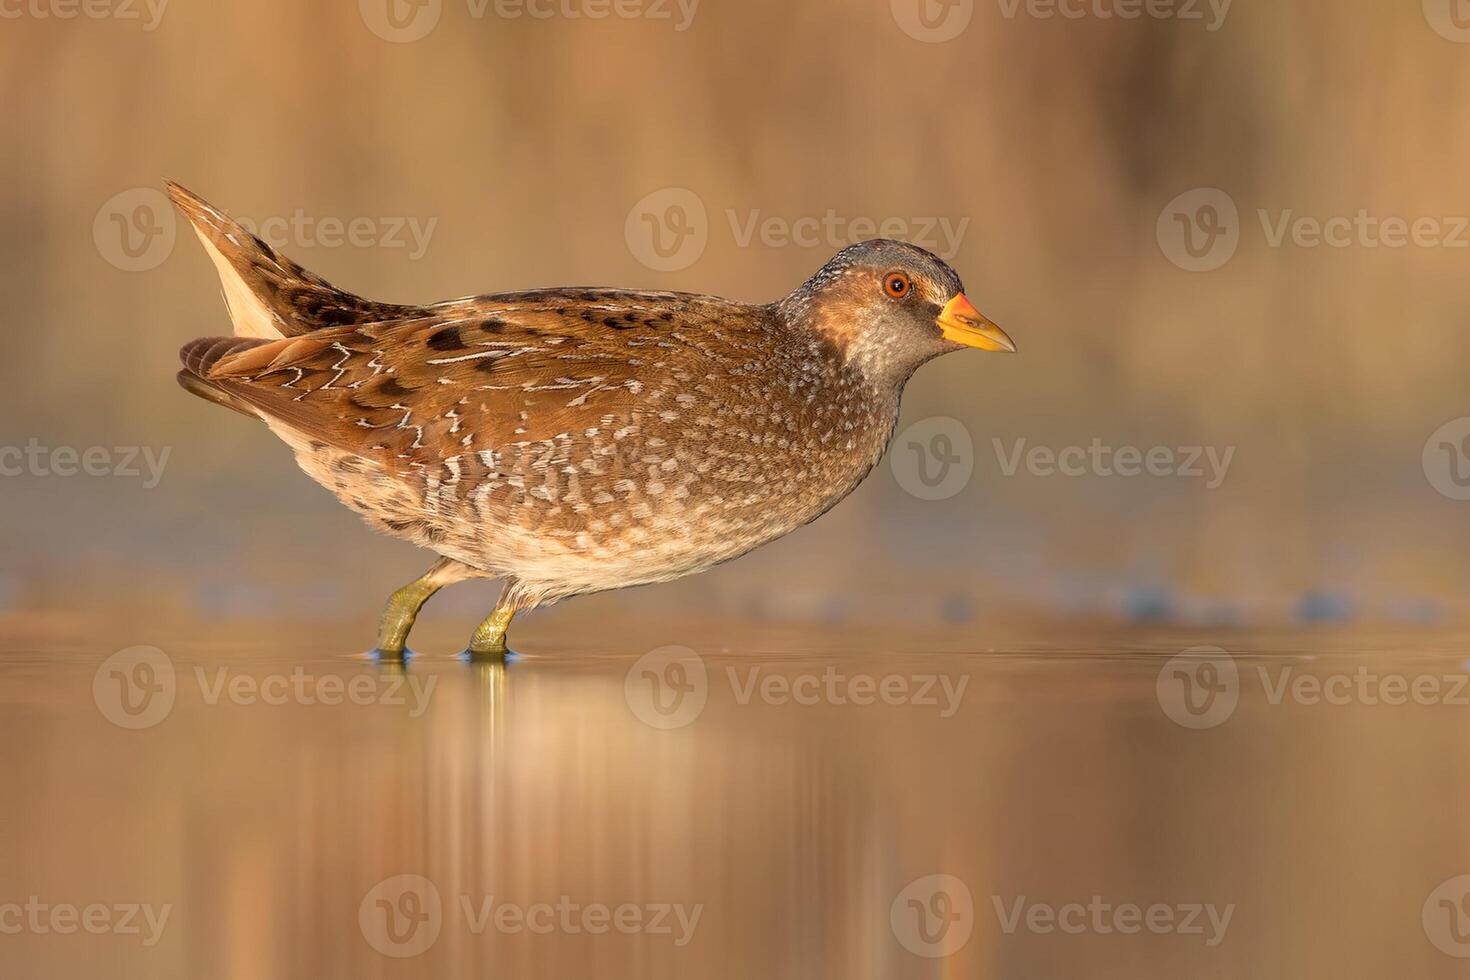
(708, 802)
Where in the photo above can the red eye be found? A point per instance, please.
(897, 285)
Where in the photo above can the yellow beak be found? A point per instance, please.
(962, 323)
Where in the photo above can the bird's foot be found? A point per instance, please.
(391, 656)
(403, 608)
(488, 654)
(487, 646)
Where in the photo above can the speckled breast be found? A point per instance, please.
(701, 473)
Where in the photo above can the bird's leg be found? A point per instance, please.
(404, 605)
(488, 643)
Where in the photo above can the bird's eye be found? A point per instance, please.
(897, 285)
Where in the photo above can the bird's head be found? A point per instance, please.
(890, 306)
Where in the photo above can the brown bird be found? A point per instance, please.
(571, 441)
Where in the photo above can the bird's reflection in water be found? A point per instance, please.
(492, 680)
(391, 666)
(489, 672)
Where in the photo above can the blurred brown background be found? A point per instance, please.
(530, 150)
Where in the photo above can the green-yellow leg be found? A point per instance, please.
(488, 643)
(404, 605)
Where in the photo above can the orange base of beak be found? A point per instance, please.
(961, 323)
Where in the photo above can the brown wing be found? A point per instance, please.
(483, 374)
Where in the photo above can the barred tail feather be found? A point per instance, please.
(268, 295)
(199, 356)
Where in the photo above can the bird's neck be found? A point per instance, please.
(883, 365)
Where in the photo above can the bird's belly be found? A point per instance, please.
(563, 540)
(616, 547)
(388, 503)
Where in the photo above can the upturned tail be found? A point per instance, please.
(268, 295)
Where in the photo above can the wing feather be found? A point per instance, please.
(473, 378)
